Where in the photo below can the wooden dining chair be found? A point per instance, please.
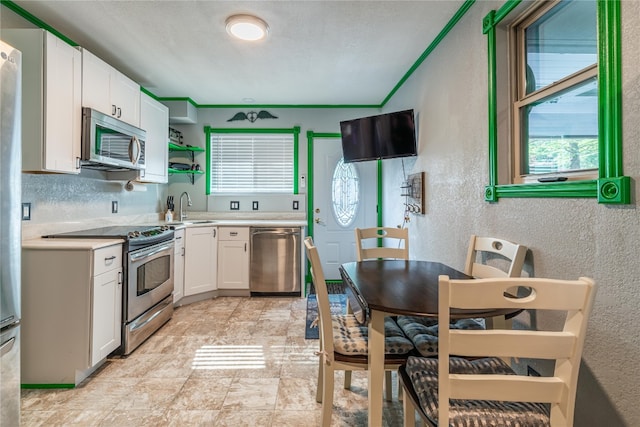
(476, 387)
(395, 243)
(487, 257)
(344, 341)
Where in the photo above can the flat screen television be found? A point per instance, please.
(383, 136)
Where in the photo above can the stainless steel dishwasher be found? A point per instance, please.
(275, 260)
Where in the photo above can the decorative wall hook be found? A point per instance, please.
(252, 116)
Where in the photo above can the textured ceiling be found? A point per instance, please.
(317, 52)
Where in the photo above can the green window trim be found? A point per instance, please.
(611, 187)
(295, 131)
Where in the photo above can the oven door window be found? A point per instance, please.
(153, 274)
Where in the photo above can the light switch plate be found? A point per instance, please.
(296, 205)
(255, 205)
(114, 206)
(26, 211)
(234, 205)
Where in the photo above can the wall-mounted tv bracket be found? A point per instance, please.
(413, 191)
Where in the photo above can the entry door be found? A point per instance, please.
(344, 197)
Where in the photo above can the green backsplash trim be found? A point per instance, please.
(45, 386)
(612, 187)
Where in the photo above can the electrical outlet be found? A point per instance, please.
(296, 205)
(234, 205)
(26, 211)
(114, 206)
(255, 205)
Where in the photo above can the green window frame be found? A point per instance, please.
(611, 186)
(295, 131)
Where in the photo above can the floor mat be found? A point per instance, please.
(338, 305)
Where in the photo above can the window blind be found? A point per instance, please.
(251, 163)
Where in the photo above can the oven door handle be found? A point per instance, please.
(150, 253)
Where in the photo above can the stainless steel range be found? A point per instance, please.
(148, 270)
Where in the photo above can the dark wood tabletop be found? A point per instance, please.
(402, 287)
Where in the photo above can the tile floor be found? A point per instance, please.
(220, 362)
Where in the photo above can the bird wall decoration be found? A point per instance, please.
(252, 116)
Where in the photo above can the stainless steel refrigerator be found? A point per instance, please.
(10, 232)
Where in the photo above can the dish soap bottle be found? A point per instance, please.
(168, 216)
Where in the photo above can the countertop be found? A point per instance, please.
(69, 244)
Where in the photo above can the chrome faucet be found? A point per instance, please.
(183, 213)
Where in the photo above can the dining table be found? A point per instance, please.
(384, 287)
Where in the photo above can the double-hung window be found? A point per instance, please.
(250, 161)
(555, 123)
(555, 112)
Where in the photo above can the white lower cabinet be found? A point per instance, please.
(178, 265)
(233, 258)
(201, 255)
(71, 309)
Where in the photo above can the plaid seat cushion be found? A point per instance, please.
(470, 413)
(423, 331)
(350, 337)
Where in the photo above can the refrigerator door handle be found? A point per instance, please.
(7, 346)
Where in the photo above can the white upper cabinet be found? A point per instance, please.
(154, 119)
(108, 90)
(51, 101)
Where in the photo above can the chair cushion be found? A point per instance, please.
(465, 413)
(423, 331)
(350, 337)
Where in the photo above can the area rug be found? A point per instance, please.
(337, 304)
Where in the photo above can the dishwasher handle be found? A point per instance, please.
(275, 231)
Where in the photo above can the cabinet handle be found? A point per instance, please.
(113, 109)
(233, 233)
(119, 112)
(182, 251)
(119, 277)
(77, 162)
(179, 237)
(245, 247)
(214, 232)
(111, 258)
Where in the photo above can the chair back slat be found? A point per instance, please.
(504, 344)
(395, 243)
(511, 252)
(514, 388)
(490, 293)
(574, 297)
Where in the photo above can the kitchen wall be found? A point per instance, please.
(319, 120)
(567, 238)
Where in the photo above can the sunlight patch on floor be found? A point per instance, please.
(229, 357)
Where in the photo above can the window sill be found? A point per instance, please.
(607, 190)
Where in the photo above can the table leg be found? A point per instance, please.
(376, 367)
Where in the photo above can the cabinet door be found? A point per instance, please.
(154, 118)
(125, 94)
(233, 264)
(106, 314)
(200, 260)
(96, 76)
(178, 266)
(62, 106)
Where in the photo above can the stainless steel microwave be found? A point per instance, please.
(111, 144)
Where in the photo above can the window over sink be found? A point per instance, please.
(252, 160)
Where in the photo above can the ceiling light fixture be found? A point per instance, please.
(247, 27)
